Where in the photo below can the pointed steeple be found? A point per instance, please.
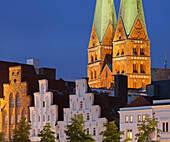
(129, 10)
(105, 15)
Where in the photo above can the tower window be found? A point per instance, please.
(142, 51)
(118, 53)
(91, 58)
(134, 50)
(91, 74)
(122, 51)
(135, 68)
(12, 103)
(142, 68)
(95, 74)
(43, 103)
(88, 117)
(94, 131)
(81, 105)
(96, 57)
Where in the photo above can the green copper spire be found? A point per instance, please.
(105, 15)
(129, 10)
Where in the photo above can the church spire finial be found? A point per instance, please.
(165, 63)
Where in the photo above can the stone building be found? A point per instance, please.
(122, 48)
(43, 111)
(82, 103)
(136, 112)
(15, 102)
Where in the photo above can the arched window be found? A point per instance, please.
(118, 52)
(96, 57)
(94, 131)
(12, 101)
(74, 105)
(135, 50)
(81, 105)
(75, 116)
(123, 68)
(135, 68)
(48, 118)
(88, 116)
(18, 100)
(62, 132)
(91, 74)
(92, 58)
(142, 68)
(142, 51)
(134, 84)
(88, 131)
(95, 74)
(122, 51)
(93, 116)
(87, 104)
(34, 132)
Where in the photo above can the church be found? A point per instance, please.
(119, 46)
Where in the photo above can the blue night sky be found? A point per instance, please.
(57, 32)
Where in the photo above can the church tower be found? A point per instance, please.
(101, 42)
(131, 45)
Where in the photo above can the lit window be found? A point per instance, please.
(143, 117)
(131, 118)
(126, 119)
(18, 102)
(81, 105)
(18, 118)
(12, 119)
(129, 134)
(165, 127)
(139, 118)
(12, 103)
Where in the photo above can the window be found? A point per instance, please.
(74, 105)
(12, 119)
(87, 131)
(48, 118)
(34, 132)
(165, 127)
(43, 103)
(94, 131)
(129, 134)
(88, 117)
(75, 116)
(142, 68)
(126, 119)
(38, 131)
(131, 119)
(6, 120)
(122, 51)
(143, 117)
(18, 118)
(81, 105)
(96, 57)
(142, 51)
(134, 84)
(95, 74)
(43, 118)
(139, 118)
(118, 53)
(93, 116)
(18, 102)
(91, 74)
(135, 68)
(134, 50)
(12, 103)
(39, 118)
(91, 58)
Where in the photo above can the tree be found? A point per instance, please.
(21, 133)
(75, 131)
(2, 134)
(47, 135)
(111, 133)
(146, 128)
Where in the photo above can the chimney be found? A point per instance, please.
(35, 63)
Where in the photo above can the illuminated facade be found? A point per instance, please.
(82, 103)
(125, 50)
(43, 111)
(15, 102)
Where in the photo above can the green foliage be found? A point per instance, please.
(2, 134)
(47, 135)
(111, 134)
(75, 131)
(145, 129)
(21, 133)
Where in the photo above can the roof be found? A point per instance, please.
(129, 10)
(105, 15)
(142, 101)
